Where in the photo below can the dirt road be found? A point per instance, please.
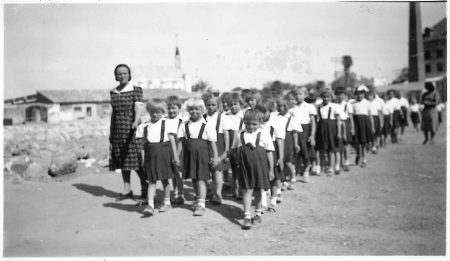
(395, 206)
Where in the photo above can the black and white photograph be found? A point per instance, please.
(224, 129)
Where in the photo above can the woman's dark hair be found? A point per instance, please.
(125, 66)
(429, 86)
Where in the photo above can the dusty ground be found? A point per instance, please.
(395, 206)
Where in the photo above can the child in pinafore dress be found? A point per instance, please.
(217, 118)
(233, 124)
(347, 127)
(158, 154)
(396, 114)
(414, 108)
(254, 156)
(196, 138)
(363, 121)
(387, 120)
(174, 115)
(329, 134)
(292, 127)
(277, 135)
(376, 110)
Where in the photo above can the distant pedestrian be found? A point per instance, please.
(430, 99)
(414, 109)
(125, 154)
(363, 122)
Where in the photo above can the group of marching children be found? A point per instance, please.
(260, 144)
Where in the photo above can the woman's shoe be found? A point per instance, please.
(129, 195)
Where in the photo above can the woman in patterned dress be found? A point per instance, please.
(125, 148)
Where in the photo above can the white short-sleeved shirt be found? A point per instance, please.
(294, 125)
(414, 107)
(179, 120)
(213, 119)
(302, 112)
(154, 130)
(404, 102)
(233, 121)
(361, 107)
(209, 132)
(346, 109)
(278, 133)
(387, 109)
(375, 107)
(265, 140)
(332, 109)
(394, 103)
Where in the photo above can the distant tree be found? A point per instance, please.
(236, 89)
(402, 77)
(201, 86)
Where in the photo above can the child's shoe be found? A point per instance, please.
(279, 198)
(271, 208)
(364, 164)
(216, 199)
(247, 223)
(330, 172)
(291, 185)
(199, 211)
(345, 168)
(121, 197)
(257, 219)
(165, 208)
(149, 211)
(179, 200)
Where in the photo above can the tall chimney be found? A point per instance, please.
(416, 70)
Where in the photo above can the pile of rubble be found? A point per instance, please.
(38, 152)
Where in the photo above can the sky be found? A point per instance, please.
(77, 46)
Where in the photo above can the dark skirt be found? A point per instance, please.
(377, 126)
(279, 175)
(362, 132)
(346, 132)
(158, 161)
(307, 152)
(289, 148)
(386, 125)
(415, 118)
(403, 117)
(430, 119)
(253, 167)
(396, 121)
(196, 159)
(327, 140)
(220, 149)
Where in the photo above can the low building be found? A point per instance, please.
(67, 105)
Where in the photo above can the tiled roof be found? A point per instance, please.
(78, 96)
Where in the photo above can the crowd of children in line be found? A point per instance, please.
(261, 145)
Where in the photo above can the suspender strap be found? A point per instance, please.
(204, 116)
(163, 126)
(345, 108)
(242, 139)
(145, 133)
(179, 122)
(240, 124)
(188, 135)
(218, 122)
(320, 113)
(202, 129)
(271, 131)
(329, 112)
(258, 138)
(287, 124)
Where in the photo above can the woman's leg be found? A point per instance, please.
(143, 179)
(126, 181)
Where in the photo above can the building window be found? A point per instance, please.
(439, 53)
(89, 111)
(427, 68)
(440, 67)
(77, 109)
(427, 55)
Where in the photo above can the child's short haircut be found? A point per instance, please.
(173, 100)
(325, 92)
(303, 90)
(225, 97)
(253, 115)
(269, 104)
(235, 98)
(158, 106)
(207, 97)
(196, 102)
(339, 91)
(291, 93)
(244, 94)
(253, 94)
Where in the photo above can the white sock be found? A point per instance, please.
(201, 203)
(151, 203)
(258, 212)
(264, 199)
(273, 200)
(247, 215)
(278, 191)
(166, 201)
